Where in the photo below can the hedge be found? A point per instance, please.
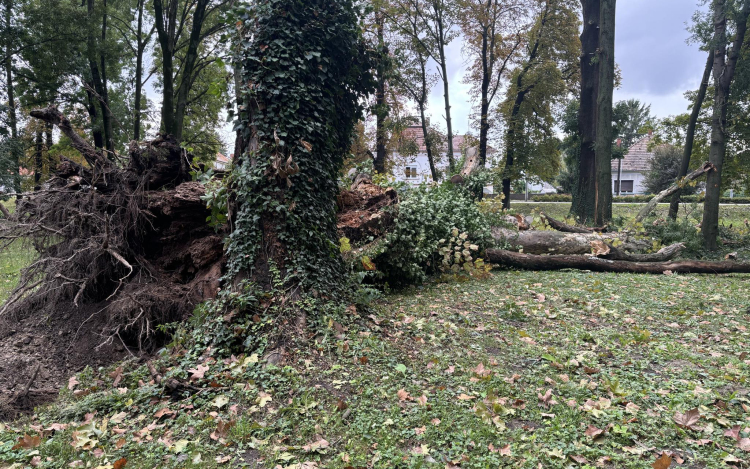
(637, 199)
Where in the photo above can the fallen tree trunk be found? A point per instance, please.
(645, 211)
(535, 262)
(4, 211)
(565, 228)
(555, 242)
(663, 255)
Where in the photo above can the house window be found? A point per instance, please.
(411, 172)
(627, 186)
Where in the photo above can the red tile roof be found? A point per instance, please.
(638, 158)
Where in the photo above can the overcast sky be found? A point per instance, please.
(657, 64)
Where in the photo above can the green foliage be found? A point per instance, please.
(460, 257)
(308, 71)
(216, 197)
(683, 230)
(665, 167)
(411, 249)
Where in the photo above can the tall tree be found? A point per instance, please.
(182, 26)
(415, 80)
(308, 71)
(383, 70)
(12, 146)
(604, 128)
(437, 20)
(493, 33)
(724, 66)
(584, 194)
(687, 151)
(96, 54)
(538, 89)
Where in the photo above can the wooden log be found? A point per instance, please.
(534, 262)
(663, 255)
(556, 242)
(645, 211)
(4, 211)
(471, 165)
(565, 228)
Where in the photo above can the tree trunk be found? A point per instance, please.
(10, 90)
(96, 130)
(140, 48)
(584, 192)
(674, 206)
(533, 262)
(565, 228)
(165, 28)
(723, 70)
(381, 111)
(673, 189)
(426, 135)
(443, 62)
(188, 67)
(484, 108)
(604, 131)
(555, 242)
(38, 159)
(97, 68)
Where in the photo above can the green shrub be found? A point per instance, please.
(410, 251)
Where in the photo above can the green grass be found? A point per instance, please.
(505, 372)
(734, 215)
(12, 260)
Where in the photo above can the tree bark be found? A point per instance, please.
(38, 159)
(97, 68)
(604, 131)
(4, 211)
(426, 134)
(10, 90)
(140, 47)
(674, 206)
(555, 242)
(532, 262)
(443, 63)
(53, 116)
(584, 193)
(381, 111)
(165, 30)
(673, 189)
(565, 228)
(188, 67)
(725, 63)
(96, 130)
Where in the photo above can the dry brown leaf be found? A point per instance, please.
(465, 397)
(593, 432)
(663, 462)
(402, 395)
(579, 459)
(598, 248)
(422, 400)
(744, 444)
(733, 433)
(72, 382)
(198, 372)
(120, 463)
(688, 419)
(27, 442)
(164, 411)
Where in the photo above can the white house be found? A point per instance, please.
(630, 171)
(222, 162)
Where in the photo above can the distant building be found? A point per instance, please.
(635, 165)
(222, 162)
(416, 169)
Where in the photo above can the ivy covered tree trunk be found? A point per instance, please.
(305, 71)
(584, 193)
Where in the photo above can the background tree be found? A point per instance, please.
(629, 120)
(539, 87)
(493, 32)
(437, 21)
(665, 167)
(727, 53)
(414, 79)
(183, 28)
(604, 128)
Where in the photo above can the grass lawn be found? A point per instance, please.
(12, 261)
(522, 370)
(729, 214)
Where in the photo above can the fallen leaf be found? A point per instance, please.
(733, 433)
(120, 463)
(744, 444)
(222, 459)
(465, 397)
(579, 459)
(688, 419)
(593, 432)
(116, 376)
(663, 462)
(402, 395)
(72, 382)
(162, 412)
(198, 372)
(27, 442)
(315, 446)
(422, 400)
